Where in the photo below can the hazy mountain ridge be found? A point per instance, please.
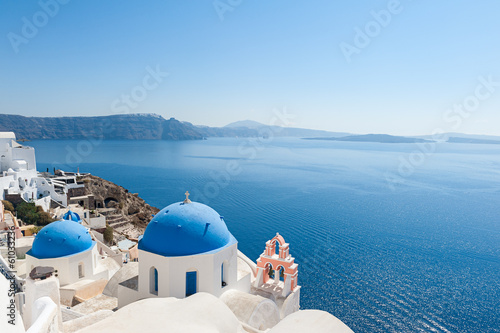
(447, 136)
(263, 129)
(227, 131)
(246, 123)
(115, 127)
(155, 127)
(380, 138)
(474, 141)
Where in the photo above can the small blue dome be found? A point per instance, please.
(59, 239)
(183, 229)
(72, 216)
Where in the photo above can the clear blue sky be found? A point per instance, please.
(263, 55)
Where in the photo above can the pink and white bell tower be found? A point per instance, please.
(276, 267)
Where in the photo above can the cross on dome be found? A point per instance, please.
(187, 198)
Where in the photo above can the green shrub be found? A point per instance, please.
(44, 218)
(31, 214)
(8, 205)
(35, 230)
(26, 211)
(108, 235)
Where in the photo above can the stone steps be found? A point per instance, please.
(113, 218)
(107, 212)
(116, 220)
(119, 224)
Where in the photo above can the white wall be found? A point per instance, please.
(18, 182)
(5, 183)
(172, 274)
(44, 203)
(67, 267)
(6, 152)
(12, 151)
(127, 296)
(44, 317)
(25, 153)
(36, 289)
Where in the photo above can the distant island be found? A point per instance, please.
(379, 138)
(473, 141)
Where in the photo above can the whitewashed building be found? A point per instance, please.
(19, 176)
(185, 249)
(68, 247)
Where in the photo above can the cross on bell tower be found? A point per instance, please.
(187, 198)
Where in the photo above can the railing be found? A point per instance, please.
(5, 271)
(45, 312)
(250, 263)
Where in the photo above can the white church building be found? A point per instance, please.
(68, 247)
(185, 249)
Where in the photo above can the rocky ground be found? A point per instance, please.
(126, 212)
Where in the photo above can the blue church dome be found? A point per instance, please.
(72, 216)
(59, 239)
(185, 228)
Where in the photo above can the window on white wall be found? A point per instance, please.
(223, 274)
(81, 270)
(153, 281)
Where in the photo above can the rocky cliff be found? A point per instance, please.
(116, 127)
(126, 212)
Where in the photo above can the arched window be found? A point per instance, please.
(281, 271)
(153, 281)
(271, 271)
(277, 246)
(223, 274)
(191, 283)
(81, 270)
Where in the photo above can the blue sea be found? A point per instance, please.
(388, 237)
